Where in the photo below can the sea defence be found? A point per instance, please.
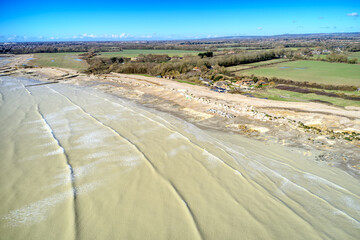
(80, 164)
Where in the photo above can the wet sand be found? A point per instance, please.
(81, 164)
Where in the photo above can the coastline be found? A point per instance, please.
(265, 120)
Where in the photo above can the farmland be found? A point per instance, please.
(355, 55)
(63, 60)
(238, 67)
(230, 48)
(262, 63)
(135, 52)
(312, 71)
(290, 96)
(255, 64)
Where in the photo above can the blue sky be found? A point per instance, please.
(129, 20)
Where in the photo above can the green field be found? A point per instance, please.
(312, 71)
(355, 55)
(229, 48)
(266, 62)
(320, 56)
(62, 60)
(237, 67)
(283, 95)
(296, 48)
(245, 66)
(135, 52)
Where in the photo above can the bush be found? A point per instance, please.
(206, 54)
(218, 77)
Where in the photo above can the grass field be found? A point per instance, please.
(296, 48)
(355, 55)
(266, 62)
(312, 71)
(245, 66)
(237, 67)
(63, 60)
(320, 56)
(283, 95)
(229, 48)
(135, 52)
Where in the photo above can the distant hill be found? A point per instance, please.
(292, 36)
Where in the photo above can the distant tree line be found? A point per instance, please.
(353, 47)
(251, 57)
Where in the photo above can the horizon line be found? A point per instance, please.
(108, 38)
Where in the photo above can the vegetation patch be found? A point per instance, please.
(323, 93)
(355, 55)
(183, 81)
(290, 96)
(130, 53)
(62, 60)
(313, 72)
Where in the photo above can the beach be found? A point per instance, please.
(319, 130)
(118, 156)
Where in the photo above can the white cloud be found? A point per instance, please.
(13, 37)
(354, 14)
(122, 35)
(85, 35)
(259, 28)
(112, 36)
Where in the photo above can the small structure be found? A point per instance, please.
(222, 84)
(316, 52)
(261, 83)
(245, 82)
(205, 81)
(217, 89)
(196, 69)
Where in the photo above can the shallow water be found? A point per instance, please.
(79, 164)
(4, 61)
